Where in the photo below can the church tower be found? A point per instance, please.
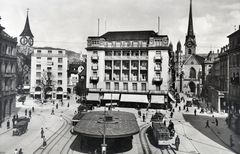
(26, 37)
(190, 42)
(178, 66)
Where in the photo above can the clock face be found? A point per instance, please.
(189, 44)
(30, 41)
(23, 40)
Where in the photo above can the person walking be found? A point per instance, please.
(68, 104)
(42, 132)
(195, 112)
(231, 141)
(16, 151)
(187, 109)
(8, 124)
(52, 113)
(171, 114)
(216, 120)
(207, 124)
(179, 108)
(26, 112)
(177, 142)
(32, 109)
(13, 122)
(57, 106)
(30, 113)
(44, 141)
(20, 151)
(143, 117)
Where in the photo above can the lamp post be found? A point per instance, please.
(104, 145)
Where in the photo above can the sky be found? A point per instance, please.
(68, 23)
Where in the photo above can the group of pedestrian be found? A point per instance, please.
(18, 152)
(207, 123)
(29, 112)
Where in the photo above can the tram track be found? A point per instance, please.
(55, 139)
(143, 139)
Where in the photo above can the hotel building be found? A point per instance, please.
(129, 68)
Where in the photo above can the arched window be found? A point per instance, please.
(59, 89)
(189, 51)
(192, 73)
(37, 89)
(192, 87)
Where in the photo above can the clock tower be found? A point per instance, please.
(190, 42)
(26, 37)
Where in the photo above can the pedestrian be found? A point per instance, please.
(16, 151)
(30, 113)
(184, 107)
(23, 102)
(8, 124)
(68, 104)
(44, 141)
(171, 114)
(231, 141)
(33, 109)
(207, 124)
(17, 117)
(143, 117)
(13, 121)
(20, 151)
(187, 109)
(57, 106)
(216, 122)
(177, 142)
(26, 112)
(139, 113)
(42, 132)
(179, 108)
(195, 112)
(52, 111)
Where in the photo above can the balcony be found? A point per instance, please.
(94, 78)
(157, 58)
(95, 67)
(94, 57)
(8, 75)
(157, 80)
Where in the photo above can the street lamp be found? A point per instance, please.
(104, 145)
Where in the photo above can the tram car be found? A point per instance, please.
(158, 117)
(161, 134)
(76, 119)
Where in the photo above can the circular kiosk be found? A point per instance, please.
(115, 128)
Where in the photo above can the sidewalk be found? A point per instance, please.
(221, 131)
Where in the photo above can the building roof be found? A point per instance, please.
(27, 30)
(129, 35)
(123, 124)
(4, 35)
(47, 48)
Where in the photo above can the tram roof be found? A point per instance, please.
(123, 124)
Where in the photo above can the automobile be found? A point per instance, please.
(189, 103)
(21, 128)
(21, 98)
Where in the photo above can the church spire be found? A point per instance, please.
(27, 31)
(190, 22)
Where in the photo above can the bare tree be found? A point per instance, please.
(46, 83)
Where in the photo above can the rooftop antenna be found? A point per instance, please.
(98, 26)
(159, 26)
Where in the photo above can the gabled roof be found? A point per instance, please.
(27, 31)
(130, 35)
(198, 58)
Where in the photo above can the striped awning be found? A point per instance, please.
(134, 98)
(93, 97)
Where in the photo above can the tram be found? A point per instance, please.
(161, 133)
(76, 119)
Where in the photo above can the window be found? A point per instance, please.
(60, 60)
(143, 85)
(134, 86)
(39, 51)
(38, 74)
(116, 86)
(59, 74)
(38, 82)
(189, 51)
(60, 82)
(38, 57)
(38, 67)
(125, 86)
(49, 58)
(59, 67)
(192, 73)
(60, 52)
(49, 68)
(49, 51)
(108, 85)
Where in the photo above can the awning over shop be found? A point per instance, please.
(159, 99)
(109, 96)
(93, 97)
(111, 104)
(134, 98)
(171, 96)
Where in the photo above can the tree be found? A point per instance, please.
(46, 83)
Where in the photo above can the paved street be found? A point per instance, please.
(194, 137)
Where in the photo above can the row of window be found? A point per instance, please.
(38, 67)
(50, 51)
(59, 82)
(60, 60)
(6, 50)
(38, 74)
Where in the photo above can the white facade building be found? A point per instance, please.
(53, 62)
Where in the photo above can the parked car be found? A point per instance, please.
(189, 103)
(21, 98)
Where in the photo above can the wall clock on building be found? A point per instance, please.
(30, 41)
(189, 44)
(23, 40)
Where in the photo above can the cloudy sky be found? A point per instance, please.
(67, 23)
